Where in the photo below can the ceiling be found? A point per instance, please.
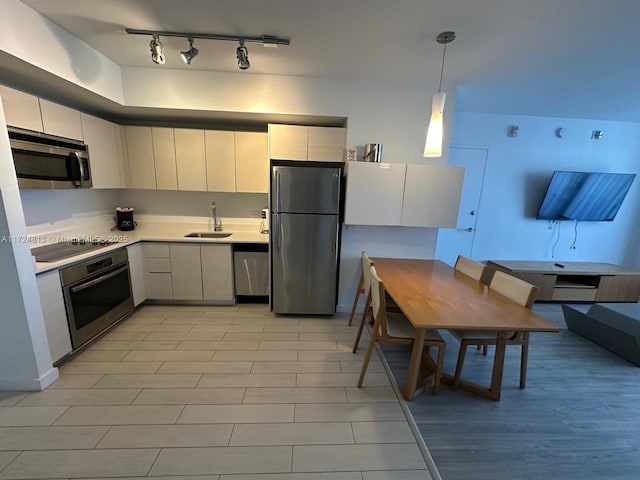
(563, 58)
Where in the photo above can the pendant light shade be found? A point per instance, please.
(435, 130)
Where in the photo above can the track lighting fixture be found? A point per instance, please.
(157, 50)
(188, 55)
(435, 131)
(243, 56)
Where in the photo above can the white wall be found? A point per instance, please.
(517, 173)
(65, 207)
(29, 36)
(25, 361)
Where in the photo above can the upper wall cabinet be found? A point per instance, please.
(107, 165)
(252, 162)
(295, 142)
(190, 159)
(432, 196)
(60, 120)
(142, 172)
(221, 160)
(288, 142)
(326, 144)
(374, 193)
(164, 157)
(21, 109)
(402, 195)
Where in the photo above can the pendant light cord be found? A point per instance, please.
(444, 51)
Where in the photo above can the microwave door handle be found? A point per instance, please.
(94, 282)
(78, 159)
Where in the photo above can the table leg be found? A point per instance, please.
(498, 366)
(409, 389)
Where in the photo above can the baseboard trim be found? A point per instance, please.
(30, 385)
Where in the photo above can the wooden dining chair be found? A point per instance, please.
(520, 292)
(392, 327)
(360, 290)
(474, 270)
(366, 287)
(469, 267)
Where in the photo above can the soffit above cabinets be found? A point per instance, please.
(20, 75)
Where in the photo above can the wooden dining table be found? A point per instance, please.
(432, 295)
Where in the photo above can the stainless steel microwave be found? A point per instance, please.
(50, 162)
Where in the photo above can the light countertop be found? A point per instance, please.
(152, 231)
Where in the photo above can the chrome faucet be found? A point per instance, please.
(217, 223)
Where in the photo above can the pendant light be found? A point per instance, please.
(435, 131)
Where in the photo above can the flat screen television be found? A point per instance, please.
(585, 196)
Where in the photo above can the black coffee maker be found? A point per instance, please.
(124, 218)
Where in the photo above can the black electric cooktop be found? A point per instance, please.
(71, 248)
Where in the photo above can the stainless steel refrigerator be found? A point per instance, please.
(305, 237)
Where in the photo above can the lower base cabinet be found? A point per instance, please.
(55, 315)
(136, 272)
(157, 271)
(217, 273)
(189, 272)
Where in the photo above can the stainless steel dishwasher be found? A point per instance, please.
(251, 268)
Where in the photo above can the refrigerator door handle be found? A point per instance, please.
(277, 192)
(277, 231)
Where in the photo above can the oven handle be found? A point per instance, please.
(100, 279)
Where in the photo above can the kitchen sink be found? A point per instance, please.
(208, 235)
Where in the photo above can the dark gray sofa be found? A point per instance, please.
(614, 326)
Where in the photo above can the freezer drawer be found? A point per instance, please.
(251, 273)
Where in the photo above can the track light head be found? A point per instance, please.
(188, 55)
(157, 50)
(243, 56)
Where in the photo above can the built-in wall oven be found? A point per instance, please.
(97, 293)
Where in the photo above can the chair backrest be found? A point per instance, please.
(366, 265)
(514, 288)
(469, 267)
(377, 299)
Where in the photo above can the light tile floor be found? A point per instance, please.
(213, 393)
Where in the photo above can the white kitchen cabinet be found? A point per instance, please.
(217, 272)
(220, 153)
(190, 159)
(60, 120)
(164, 157)
(397, 194)
(105, 155)
(21, 109)
(374, 193)
(124, 157)
(326, 144)
(288, 142)
(252, 162)
(55, 315)
(157, 271)
(136, 272)
(298, 142)
(186, 271)
(142, 172)
(432, 196)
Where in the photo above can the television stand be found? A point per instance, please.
(573, 281)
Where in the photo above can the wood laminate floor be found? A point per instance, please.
(578, 418)
(212, 393)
